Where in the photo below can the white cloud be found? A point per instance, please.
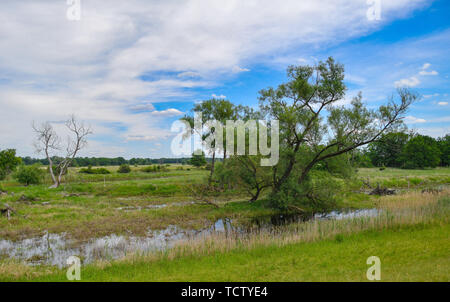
(94, 67)
(409, 82)
(188, 74)
(143, 107)
(167, 113)
(414, 120)
(427, 73)
(426, 66)
(424, 71)
(443, 103)
(237, 69)
(218, 96)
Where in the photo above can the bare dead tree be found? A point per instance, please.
(48, 142)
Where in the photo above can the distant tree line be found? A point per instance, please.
(116, 161)
(406, 150)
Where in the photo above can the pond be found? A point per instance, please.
(55, 249)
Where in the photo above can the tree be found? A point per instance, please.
(124, 169)
(444, 147)
(198, 160)
(421, 152)
(302, 105)
(387, 150)
(214, 109)
(244, 172)
(29, 175)
(48, 141)
(8, 162)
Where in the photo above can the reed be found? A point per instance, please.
(406, 210)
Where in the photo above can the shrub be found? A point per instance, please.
(89, 170)
(8, 162)
(150, 169)
(28, 175)
(318, 194)
(124, 169)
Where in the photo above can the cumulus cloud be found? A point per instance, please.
(442, 103)
(93, 67)
(218, 96)
(425, 72)
(409, 82)
(414, 120)
(171, 112)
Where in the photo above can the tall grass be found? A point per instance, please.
(395, 212)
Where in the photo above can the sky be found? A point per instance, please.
(130, 69)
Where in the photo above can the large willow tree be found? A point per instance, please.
(314, 128)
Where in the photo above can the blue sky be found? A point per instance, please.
(130, 69)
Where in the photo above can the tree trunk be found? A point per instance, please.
(256, 195)
(50, 168)
(212, 165)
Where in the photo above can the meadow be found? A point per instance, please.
(90, 205)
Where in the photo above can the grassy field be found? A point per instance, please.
(89, 206)
(410, 238)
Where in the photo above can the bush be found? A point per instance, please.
(124, 169)
(150, 169)
(28, 175)
(89, 170)
(318, 194)
(8, 162)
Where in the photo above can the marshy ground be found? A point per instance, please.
(157, 209)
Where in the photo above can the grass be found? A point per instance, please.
(87, 205)
(410, 236)
(407, 254)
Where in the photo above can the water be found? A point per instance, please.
(54, 249)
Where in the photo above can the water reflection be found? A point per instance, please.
(54, 249)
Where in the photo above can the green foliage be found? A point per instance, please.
(151, 169)
(318, 193)
(386, 152)
(421, 152)
(444, 147)
(8, 162)
(198, 160)
(339, 166)
(89, 170)
(124, 169)
(312, 140)
(28, 175)
(361, 159)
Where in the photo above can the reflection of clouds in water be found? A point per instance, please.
(54, 249)
(348, 215)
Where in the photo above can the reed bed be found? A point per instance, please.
(411, 209)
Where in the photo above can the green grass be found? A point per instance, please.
(418, 253)
(86, 205)
(410, 236)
